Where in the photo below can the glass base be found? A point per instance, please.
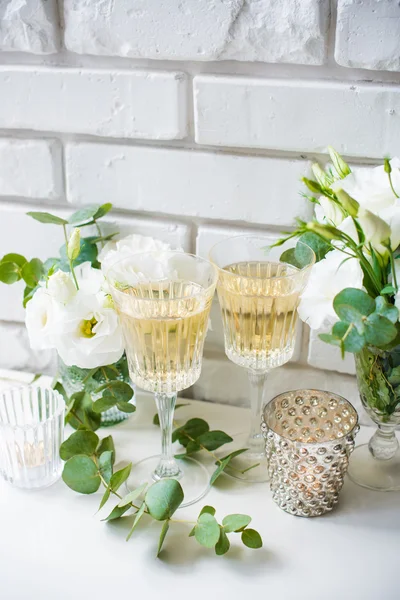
(372, 473)
(240, 466)
(195, 478)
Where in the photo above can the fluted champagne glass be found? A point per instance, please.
(163, 300)
(258, 295)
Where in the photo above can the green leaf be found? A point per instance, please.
(32, 272)
(105, 497)
(394, 377)
(192, 428)
(223, 544)
(163, 533)
(223, 463)
(81, 474)
(83, 215)
(80, 442)
(126, 407)
(313, 186)
(9, 272)
(317, 244)
(138, 516)
(104, 403)
(103, 210)
(235, 522)
(17, 259)
(353, 342)
(379, 330)
(117, 512)
(386, 310)
(211, 440)
(192, 531)
(45, 217)
(28, 294)
(119, 477)
(289, 256)
(156, 418)
(106, 443)
(83, 409)
(328, 338)
(129, 498)
(191, 448)
(251, 538)
(121, 391)
(208, 509)
(207, 530)
(106, 465)
(353, 298)
(163, 498)
(388, 289)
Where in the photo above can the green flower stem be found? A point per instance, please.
(98, 231)
(391, 185)
(392, 266)
(69, 260)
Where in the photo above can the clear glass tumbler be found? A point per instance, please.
(258, 294)
(163, 301)
(31, 432)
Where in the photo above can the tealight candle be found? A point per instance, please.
(309, 437)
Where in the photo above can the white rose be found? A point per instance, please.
(371, 186)
(328, 277)
(41, 319)
(61, 287)
(90, 335)
(132, 244)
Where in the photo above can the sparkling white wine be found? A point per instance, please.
(259, 311)
(164, 328)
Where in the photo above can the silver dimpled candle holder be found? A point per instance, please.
(309, 437)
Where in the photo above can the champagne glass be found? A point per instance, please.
(163, 300)
(258, 295)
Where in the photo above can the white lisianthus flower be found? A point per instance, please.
(377, 232)
(371, 187)
(61, 287)
(90, 335)
(132, 244)
(41, 319)
(328, 277)
(328, 212)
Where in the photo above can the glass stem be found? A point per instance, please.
(383, 445)
(167, 467)
(256, 443)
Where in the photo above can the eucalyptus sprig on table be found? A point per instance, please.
(90, 463)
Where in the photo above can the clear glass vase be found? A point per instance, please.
(75, 379)
(376, 465)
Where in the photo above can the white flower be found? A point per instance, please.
(371, 187)
(132, 244)
(41, 318)
(61, 287)
(328, 277)
(377, 232)
(90, 280)
(329, 212)
(90, 335)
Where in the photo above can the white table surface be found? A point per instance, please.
(53, 545)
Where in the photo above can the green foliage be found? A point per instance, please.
(251, 538)
(47, 218)
(163, 498)
(32, 272)
(138, 516)
(119, 477)
(89, 214)
(132, 496)
(87, 253)
(9, 272)
(207, 530)
(81, 474)
(163, 533)
(223, 544)
(105, 463)
(210, 534)
(223, 463)
(80, 442)
(235, 522)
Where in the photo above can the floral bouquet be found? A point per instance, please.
(353, 287)
(69, 309)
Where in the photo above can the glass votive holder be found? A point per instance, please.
(31, 432)
(309, 438)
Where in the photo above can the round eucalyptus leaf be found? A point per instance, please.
(126, 407)
(163, 498)
(235, 522)
(106, 465)
(80, 442)
(81, 474)
(379, 330)
(251, 538)
(211, 440)
(9, 272)
(223, 544)
(104, 403)
(353, 298)
(207, 531)
(45, 217)
(18, 259)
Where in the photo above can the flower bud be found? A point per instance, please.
(323, 178)
(313, 186)
(341, 167)
(377, 232)
(348, 203)
(387, 166)
(325, 231)
(74, 244)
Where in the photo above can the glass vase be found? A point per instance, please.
(75, 379)
(376, 465)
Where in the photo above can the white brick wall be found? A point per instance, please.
(195, 118)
